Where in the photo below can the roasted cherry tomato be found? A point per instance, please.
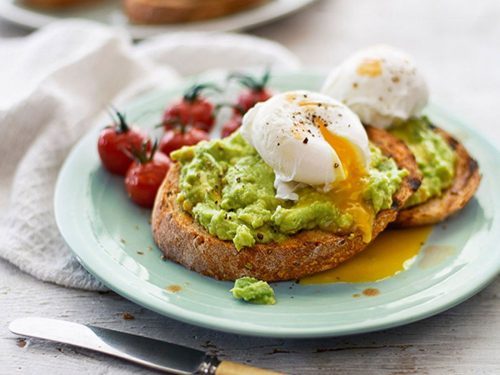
(255, 92)
(232, 125)
(192, 110)
(145, 175)
(116, 142)
(176, 138)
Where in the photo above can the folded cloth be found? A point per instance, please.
(55, 84)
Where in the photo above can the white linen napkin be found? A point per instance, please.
(53, 86)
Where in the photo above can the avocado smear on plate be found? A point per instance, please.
(253, 290)
(229, 190)
(435, 158)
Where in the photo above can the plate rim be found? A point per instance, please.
(134, 293)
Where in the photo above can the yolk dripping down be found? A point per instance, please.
(348, 194)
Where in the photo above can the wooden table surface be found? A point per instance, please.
(457, 43)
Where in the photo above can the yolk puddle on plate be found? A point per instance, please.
(348, 194)
(434, 255)
(384, 257)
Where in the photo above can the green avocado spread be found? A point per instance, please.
(229, 190)
(435, 158)
(252, 290)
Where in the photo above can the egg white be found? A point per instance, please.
(282, 132)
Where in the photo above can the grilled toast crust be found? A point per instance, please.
(453, 199)
(184, 241)
(175, 11)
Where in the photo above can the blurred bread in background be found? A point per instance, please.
(57, 3)
(176, 11)
(163, 11)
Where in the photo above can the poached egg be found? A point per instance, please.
(381, 84)
(310, 139)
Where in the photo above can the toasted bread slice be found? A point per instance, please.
(175, 11)
(184, 241)
(453, 199)
(57, 3)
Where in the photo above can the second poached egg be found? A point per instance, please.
(381, 84)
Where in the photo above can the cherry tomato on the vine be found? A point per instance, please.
(176, 138)
(256, 91)
(231, 125)
(116, 142)
(192, 110)
(248, 98)
(145, 176)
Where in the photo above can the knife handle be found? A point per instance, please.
(233, 368)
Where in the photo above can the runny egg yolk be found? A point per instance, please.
(370, 68)
(348, 194)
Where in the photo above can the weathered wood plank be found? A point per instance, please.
(462, 340)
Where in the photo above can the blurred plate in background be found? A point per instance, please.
(110, 12)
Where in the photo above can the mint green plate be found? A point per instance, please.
(111, 238)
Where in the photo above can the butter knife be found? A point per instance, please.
(155, 354)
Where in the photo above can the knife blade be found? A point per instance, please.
(155, 354)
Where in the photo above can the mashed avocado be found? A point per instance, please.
(229, 190)
(252, 290)
(435, 158)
